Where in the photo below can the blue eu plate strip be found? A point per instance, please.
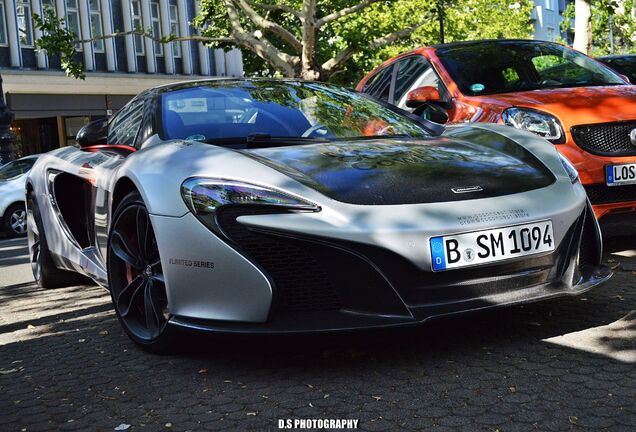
(609, 174)
(437, 253)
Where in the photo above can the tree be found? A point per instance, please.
(612, 24)
(311, 39)
(583, 26)
(335, 40)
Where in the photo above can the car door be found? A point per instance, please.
(123, 134)
(379, 85)
(410, 73)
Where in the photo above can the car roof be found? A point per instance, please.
(218, 82)
(490, 42)
(617, 56)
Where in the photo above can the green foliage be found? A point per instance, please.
(624, 25)
(464, 20)
(57, 39)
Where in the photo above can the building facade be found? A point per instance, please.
(50, 107)
(547, 17)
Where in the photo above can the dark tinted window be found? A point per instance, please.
(208, 112)
(379, 85)
(624, 65)
(125, 125)
(511, 66)
(413, 72)
(16, 168)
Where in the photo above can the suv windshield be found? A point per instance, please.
(512, 66)
(214, 111)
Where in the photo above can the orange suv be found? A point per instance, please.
(587, 110)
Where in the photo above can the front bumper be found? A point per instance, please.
(322, 285)
(605, 200)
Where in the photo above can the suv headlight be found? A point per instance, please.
(569, 168)
(205, 196)
(540, 123)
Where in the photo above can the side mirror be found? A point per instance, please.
(94, 133)
(626, 78)
(422, 95)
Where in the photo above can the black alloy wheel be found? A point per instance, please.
(136, 278)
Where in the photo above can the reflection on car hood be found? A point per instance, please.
(383, 172)
(574, 106)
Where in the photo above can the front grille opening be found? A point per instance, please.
(300, 281)
(603, 194)
(606, 139)
(589, 250)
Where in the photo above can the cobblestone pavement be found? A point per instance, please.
(566, 364)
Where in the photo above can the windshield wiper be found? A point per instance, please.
(255, 140)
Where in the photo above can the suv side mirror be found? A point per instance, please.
(422, 95)
(94, 133)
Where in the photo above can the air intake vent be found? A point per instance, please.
(301, 282)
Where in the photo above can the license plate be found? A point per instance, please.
(618, 175)
(498, 244)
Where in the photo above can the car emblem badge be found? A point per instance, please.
(632, 137)
(467, 189)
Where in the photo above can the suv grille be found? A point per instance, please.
(606, 139)
(602, 194)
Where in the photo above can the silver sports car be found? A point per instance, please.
(287, 206)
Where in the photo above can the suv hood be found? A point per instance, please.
(573, 106)
(386, 172)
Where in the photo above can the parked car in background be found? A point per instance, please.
(12, 181)
(623, 64)
(583, 107)
(271, 206)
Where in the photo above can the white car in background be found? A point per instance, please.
(12, 183)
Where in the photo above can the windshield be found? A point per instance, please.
(15, 168)
(277, 109)
(502, 67)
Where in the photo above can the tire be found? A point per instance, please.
(46, 274)
(135, 278)
(14, 220)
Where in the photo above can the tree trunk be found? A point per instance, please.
(308, 69)
(583, 26)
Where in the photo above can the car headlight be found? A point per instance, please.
(205, 196)
(569, 168)
(542, 124)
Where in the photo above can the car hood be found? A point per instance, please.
(573, 106)
(389, 172)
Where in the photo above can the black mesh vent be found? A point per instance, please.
(602, 194)
(606, 138)
(589, 249)
(300, 281)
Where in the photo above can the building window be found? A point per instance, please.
(25, 24)
(96, 24)
(72, 125)
(138, 26)
(174, 30)
(549, 4)
(550, 33)
(73, 20)
(156, 26)
(3, 25)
